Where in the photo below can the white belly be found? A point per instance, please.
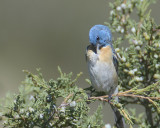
(103, 76)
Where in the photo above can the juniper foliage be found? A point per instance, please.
(56, 103)
(61, 103)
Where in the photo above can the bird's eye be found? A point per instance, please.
(97, 37)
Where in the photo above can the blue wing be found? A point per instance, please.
(115, 62)
(115, 59)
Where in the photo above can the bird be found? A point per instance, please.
(102, 64)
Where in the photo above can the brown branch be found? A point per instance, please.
(126, 94)
(66, 99)
(64, 103)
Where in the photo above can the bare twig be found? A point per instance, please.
(126, 94)
(64, 103)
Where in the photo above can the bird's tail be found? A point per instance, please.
(119, 119)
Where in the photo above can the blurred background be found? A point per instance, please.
(45, 34)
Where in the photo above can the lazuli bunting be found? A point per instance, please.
(103, 64)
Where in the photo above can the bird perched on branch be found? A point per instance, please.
(103, 65)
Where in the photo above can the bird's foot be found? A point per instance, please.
(90, 94)
(109, 98)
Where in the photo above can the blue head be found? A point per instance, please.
(100, 35)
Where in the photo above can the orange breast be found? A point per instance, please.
(105, 54)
